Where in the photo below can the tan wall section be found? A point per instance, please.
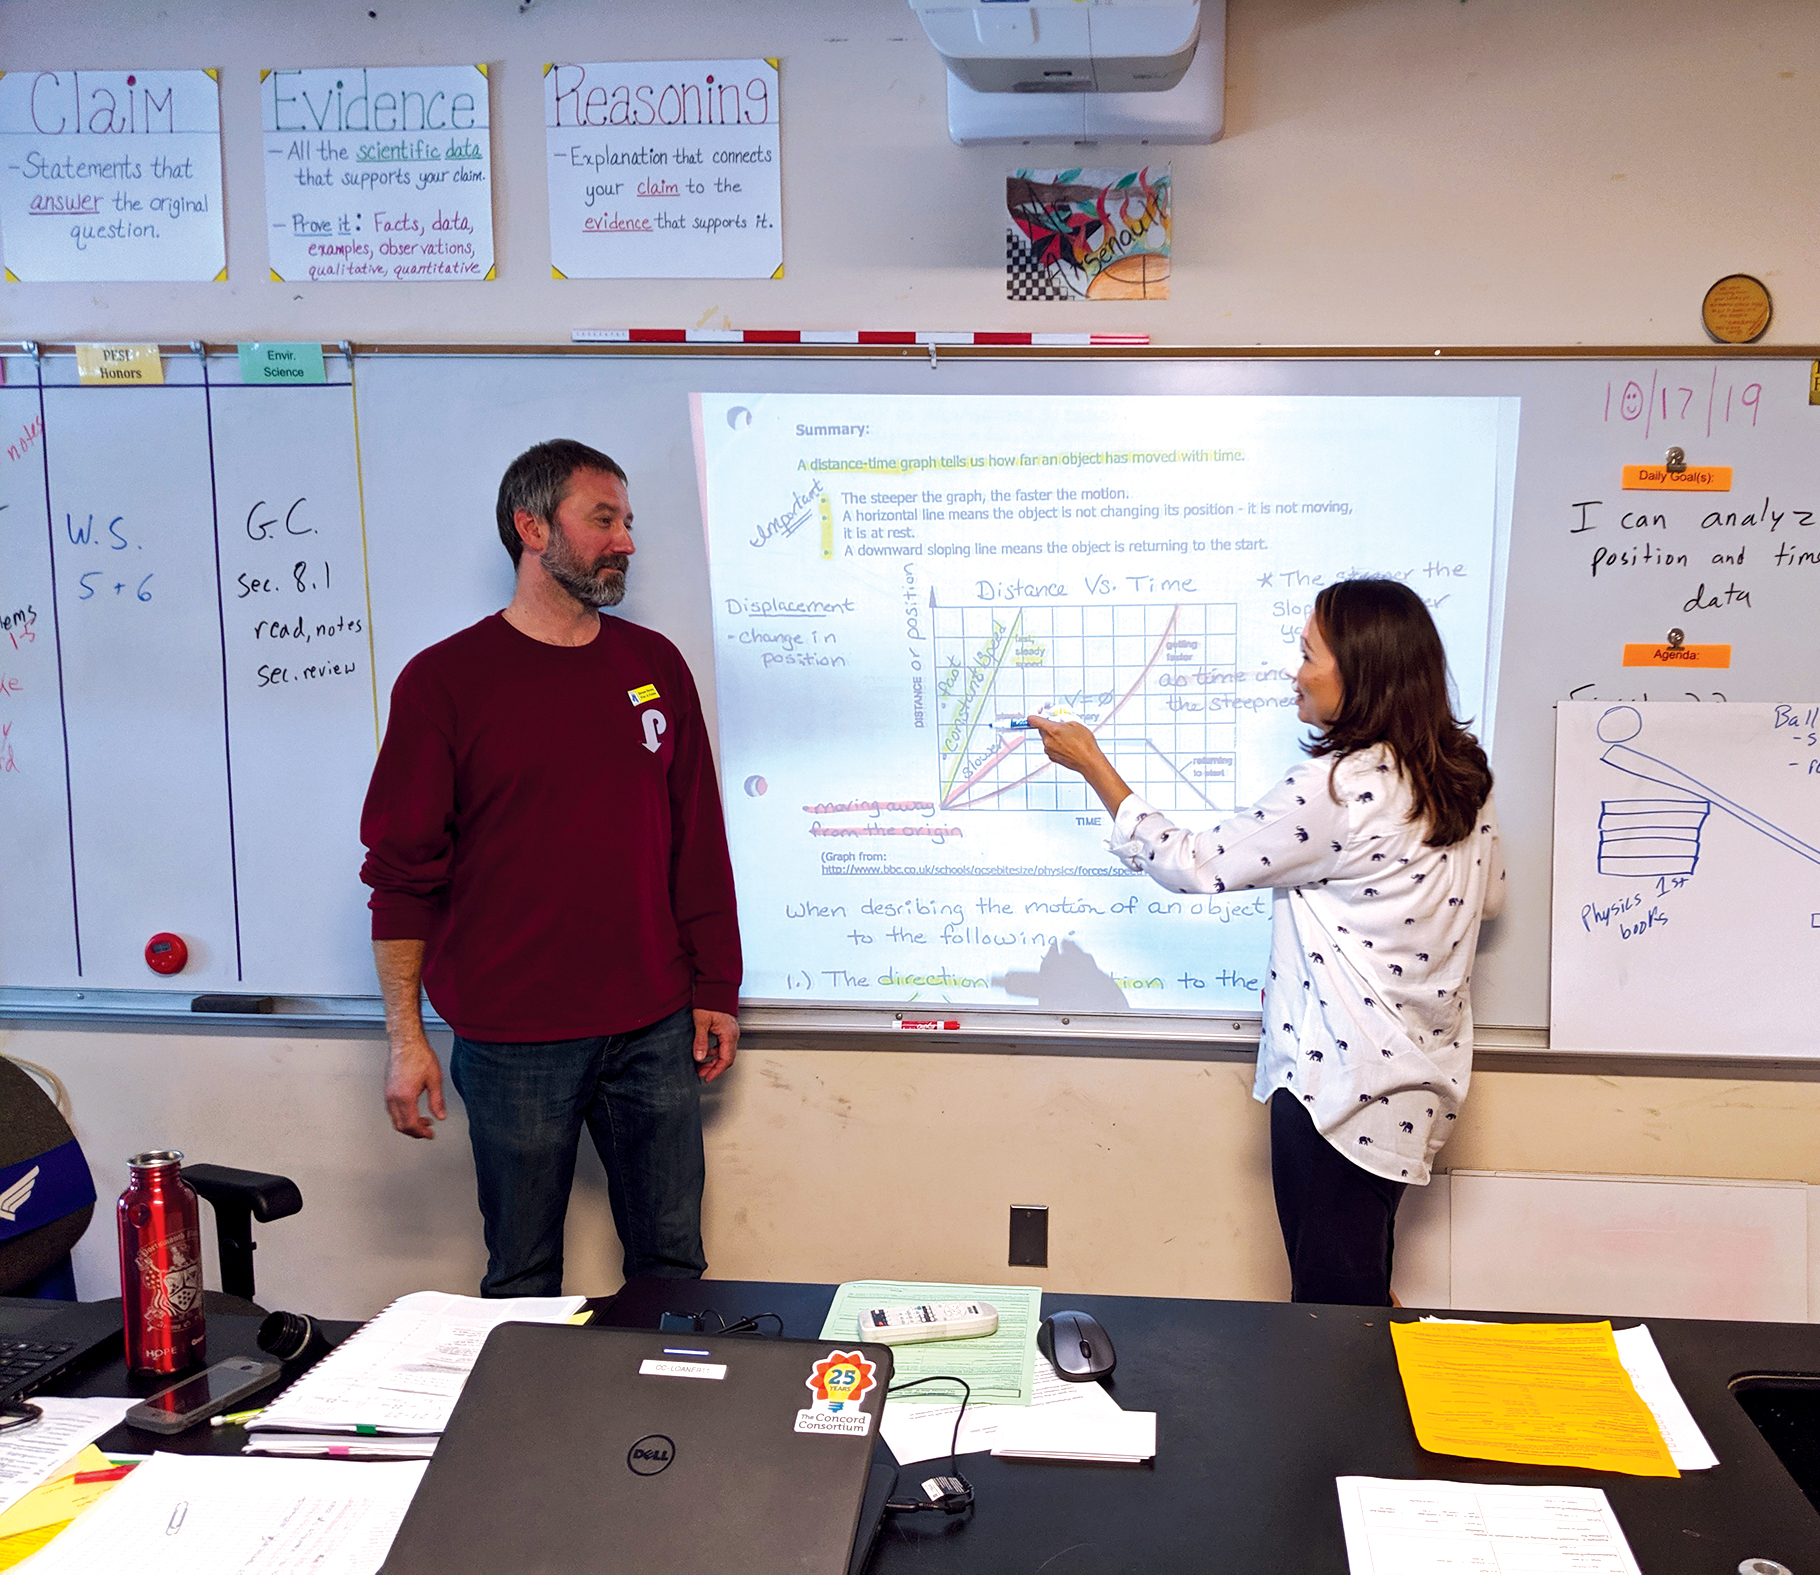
(830, 1165)
(1759, 1129)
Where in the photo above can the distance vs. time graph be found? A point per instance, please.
(896, 578)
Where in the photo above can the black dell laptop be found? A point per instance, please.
(575, 1451)
(42, 1340)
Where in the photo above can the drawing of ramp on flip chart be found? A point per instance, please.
(1657, 836)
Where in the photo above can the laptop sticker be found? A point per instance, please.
(839, 1381)
(651, 1367)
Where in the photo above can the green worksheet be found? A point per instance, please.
(997, 1367)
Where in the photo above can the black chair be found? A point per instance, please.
(36, 1261)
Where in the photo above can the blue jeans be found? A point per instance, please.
(641, 1101)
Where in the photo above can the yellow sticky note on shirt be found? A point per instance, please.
(1543, 1394)
(642, 694)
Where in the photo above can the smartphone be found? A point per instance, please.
(209, 1393)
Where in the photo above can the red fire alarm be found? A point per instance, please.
(166, 953)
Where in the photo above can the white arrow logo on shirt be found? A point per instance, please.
(18, 1195)
(654, 729)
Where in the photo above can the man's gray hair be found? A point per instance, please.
(538, 480)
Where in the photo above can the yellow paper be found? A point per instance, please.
(1545, 1394)
(52, 1501)
(119, 364)
(17, 1549)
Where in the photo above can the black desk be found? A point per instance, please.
(1260, 1406)
(229, 1335)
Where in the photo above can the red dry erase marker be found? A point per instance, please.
(925, 1022)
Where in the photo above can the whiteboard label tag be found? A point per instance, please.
(1677, 656)
(119, 364)
(281, 363)
(1659, 478)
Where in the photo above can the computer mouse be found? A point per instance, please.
(1076, 1346)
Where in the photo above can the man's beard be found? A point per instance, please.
(602, 584)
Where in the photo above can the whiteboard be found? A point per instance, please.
(1687, 878)
(165, 728)
(899, 581)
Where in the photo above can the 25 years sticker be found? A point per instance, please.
(839, 1381)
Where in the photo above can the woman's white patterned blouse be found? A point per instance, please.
(1366, 1012)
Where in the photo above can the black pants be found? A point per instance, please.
(1338, 1220)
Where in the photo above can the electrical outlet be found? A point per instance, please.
(1029, 1236)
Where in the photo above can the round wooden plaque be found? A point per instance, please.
(1736, 310)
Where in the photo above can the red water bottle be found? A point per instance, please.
(161, 1266)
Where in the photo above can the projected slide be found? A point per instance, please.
(897, 578)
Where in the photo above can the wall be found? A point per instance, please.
(1474, 172)
(1406, 172)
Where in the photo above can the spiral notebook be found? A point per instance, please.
(401, 1372)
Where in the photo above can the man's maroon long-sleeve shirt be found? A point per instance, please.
(546, 819)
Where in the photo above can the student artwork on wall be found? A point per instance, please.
(1087, 235)
(111, 176)
(664, 169)
(377, 173)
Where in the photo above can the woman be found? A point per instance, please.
(1383, 854)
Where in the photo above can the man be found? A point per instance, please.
(547, 857)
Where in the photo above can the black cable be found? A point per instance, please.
(15, 1414)
(744, 1326)
(953, 1499)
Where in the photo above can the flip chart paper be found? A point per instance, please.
(664, 169)
(1686, 846)
(1553, 1394)
(377, 173)
(111, 175)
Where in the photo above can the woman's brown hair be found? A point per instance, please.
(1393, 690)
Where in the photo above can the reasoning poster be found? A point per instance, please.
(664, 169)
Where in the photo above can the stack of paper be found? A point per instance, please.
(1687, 1445)
(30, 1455)
(340, 1446)
(392, 1384)
(54, 1503)
(1116, 1437)
(224, 1515)
(1546, 1394)
(923, 1429)
(1426, 1528)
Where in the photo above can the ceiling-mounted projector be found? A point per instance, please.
(1081, 70)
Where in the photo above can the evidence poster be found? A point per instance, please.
(896, 579)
